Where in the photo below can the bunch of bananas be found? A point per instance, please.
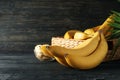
(87, 55)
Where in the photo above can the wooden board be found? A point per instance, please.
(25, 23)
(24, 66)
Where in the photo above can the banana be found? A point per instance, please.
(58, 59)
(61, 61)
(45, 51)
(70, 34)
(89, 31)
(81, 36)
(95, 28)
(105, 26)
(88, 62)
(88, 45)
(42, 54)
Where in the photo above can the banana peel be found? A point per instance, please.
(91, 61)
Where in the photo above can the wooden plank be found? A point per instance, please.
(20, 46)
(16, 66)
(33, 21)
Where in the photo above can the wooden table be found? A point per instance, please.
(25, 66)
(26, 23)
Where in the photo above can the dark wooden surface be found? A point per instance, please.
(24, 66)
(26, 23)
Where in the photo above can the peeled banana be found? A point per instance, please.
(91, 61)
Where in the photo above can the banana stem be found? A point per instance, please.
(105, 26)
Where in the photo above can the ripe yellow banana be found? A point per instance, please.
(105, 26)
(81, 36)
(88, 62)
(88, 45)
(95, 28)
(58, 59)
(89, 31)
(62, 61)
(42, 54)
(70, 34)
(45, 50)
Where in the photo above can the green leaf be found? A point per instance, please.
(116, 19)
(115, 25)
(115, 34)
(116, 13)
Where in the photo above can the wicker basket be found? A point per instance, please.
(70, 43)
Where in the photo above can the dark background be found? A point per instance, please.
(26, 23)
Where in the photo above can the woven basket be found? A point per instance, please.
(71, 43)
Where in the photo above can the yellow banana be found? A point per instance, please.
(89, 31)
(70, 34)
(95, 28)
(42, 54)
(62, 61)
(105, 26)
(88, 45)
(58, 59)
(88, 62)
(45, 51)
(81, 36)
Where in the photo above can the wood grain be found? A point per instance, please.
(25, 23)
(24, 66)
